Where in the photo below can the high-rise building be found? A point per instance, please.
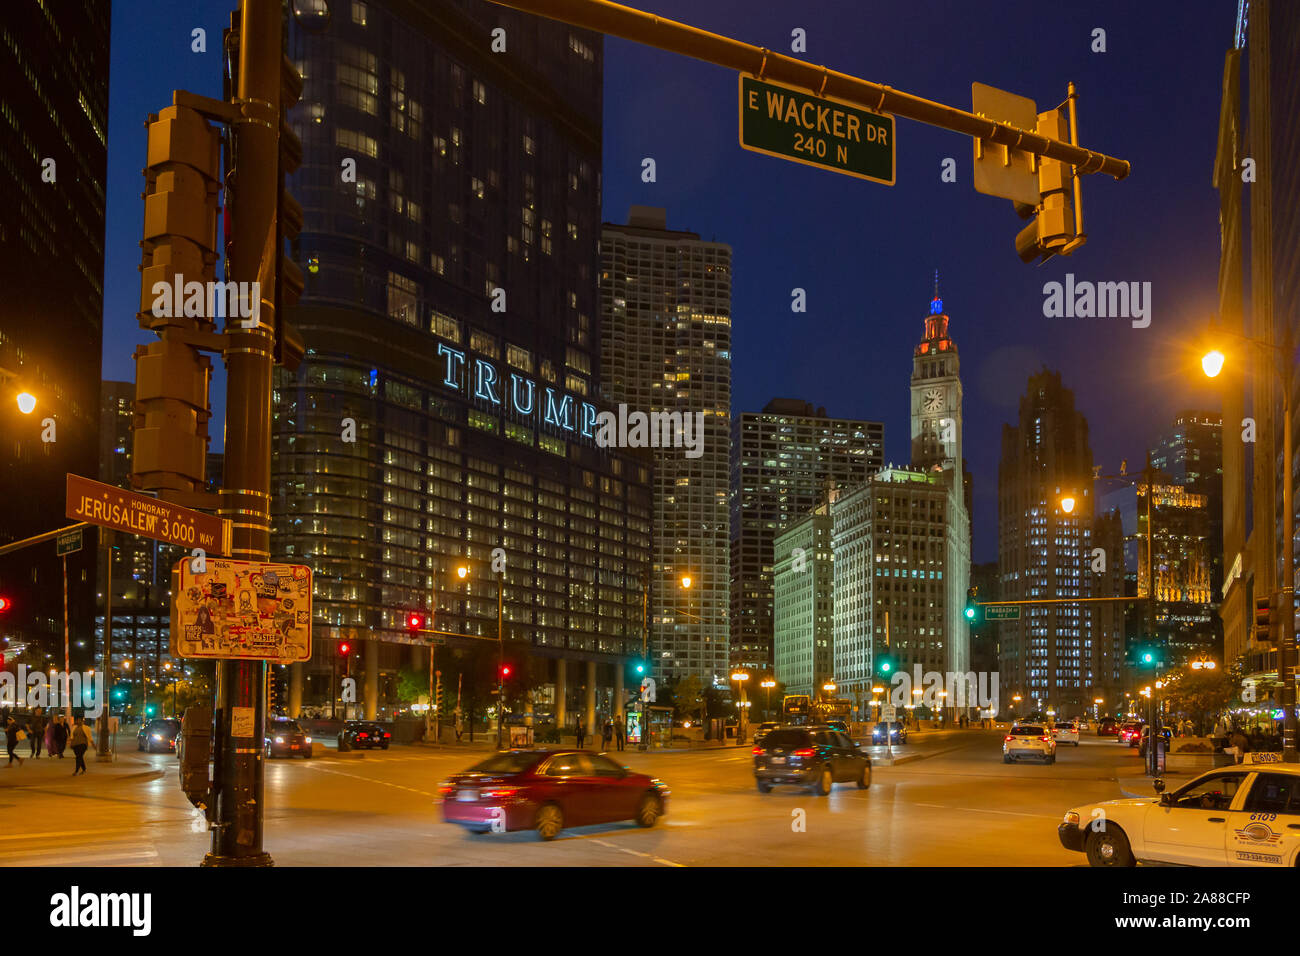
(1191, 454)
(443, 413)
(52, 172)
(1186, 605)
(803, 602)
(782, 460)
(1055, 654)
(666, 348)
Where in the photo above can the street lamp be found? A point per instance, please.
(1212, 364)
(740, 677)
(1067, 504)
(26, 402)
(767, 685)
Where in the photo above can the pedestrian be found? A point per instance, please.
(1239, 741)
(581, 732)
(618, 733)
(36, 731)
(606, 734)
(61, 735)
(80, 740)
(13, 736)
(49, 735)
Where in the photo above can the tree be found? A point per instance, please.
(1199, 694)
(684, 696)
(412, 684)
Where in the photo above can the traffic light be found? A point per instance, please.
(885, 665)
(414, 621)
(1053, 229)
(1264, 619)
(505, 671)
(974, 613)
(179, 245)
(343, 649)
(5, 604)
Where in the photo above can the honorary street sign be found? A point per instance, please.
(1001, 612)
(816, 130)
(135, 513)
(68, 542)
(250, 610)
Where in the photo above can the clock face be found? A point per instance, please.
(932, 399)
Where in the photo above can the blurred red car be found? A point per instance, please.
(1129, 732)
(548, 790)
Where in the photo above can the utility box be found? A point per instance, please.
(196, 751)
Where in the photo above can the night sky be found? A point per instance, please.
(866, 253)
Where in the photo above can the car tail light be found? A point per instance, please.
(1007, 737)
(387, 734)
(1046, 738)
(363, 734)
(805, 752)
(446, 789)
(499, 792)
(757, 751)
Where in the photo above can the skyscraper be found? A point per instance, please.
(1191, 454)
(803, 603)
(666, 347)
(442, 414)
(54, 78)
(782, 460)
(1053, 655)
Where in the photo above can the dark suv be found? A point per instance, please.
(816, 757)
(364, 734)
(285, 738)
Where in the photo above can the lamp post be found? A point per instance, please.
(740, 677)
(1212, 364)
(767, 685)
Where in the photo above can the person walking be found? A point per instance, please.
(606, 734)
(12, 730)
(581, 732)
(618, 733)
(36, 731)
(80, 740)
(49, 735)
(1239, 741)
(60, 735)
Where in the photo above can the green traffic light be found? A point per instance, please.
(886, 667)
(970, 613)
(1148, 657)
(640, 668)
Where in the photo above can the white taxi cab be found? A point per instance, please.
(1244, 815)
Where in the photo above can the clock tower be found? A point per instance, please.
(936, 395)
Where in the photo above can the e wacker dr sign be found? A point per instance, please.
(816, 130)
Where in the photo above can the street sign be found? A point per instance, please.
(243, 610)
(819, 131)
(1001, 612)
(1002, 170)
(68, 542)
(888, 712)
(134, 513)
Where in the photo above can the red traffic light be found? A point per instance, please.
(5, 604)
(414, 622)
(505, 670)
(343, 648)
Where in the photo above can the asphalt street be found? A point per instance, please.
(958, 805)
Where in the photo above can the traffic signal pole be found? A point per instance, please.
(617, 20)
(253, 176)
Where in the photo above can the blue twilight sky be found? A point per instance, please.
(866, 253)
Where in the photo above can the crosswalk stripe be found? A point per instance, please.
(71, 855)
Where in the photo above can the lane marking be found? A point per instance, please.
(1014, 813)
(646, 856)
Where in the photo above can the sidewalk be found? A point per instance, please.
(45, 771)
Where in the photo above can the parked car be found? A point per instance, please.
(285, 738)
(815, 757)
(362, 733)
(548, 790)
(1108, 727)
(1028, 741)
(158, 735)
(897, 732)
(1243, 816)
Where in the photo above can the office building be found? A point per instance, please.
(666, 349)
(803, 595)
(782, 461)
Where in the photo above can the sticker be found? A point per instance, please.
(242, 720)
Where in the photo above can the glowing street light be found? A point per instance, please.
(1067, 504)
(26, 402)
(686, 581)
(1212, 363)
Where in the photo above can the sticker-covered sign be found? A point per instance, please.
(252, 610)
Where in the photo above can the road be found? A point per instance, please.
(958, 806)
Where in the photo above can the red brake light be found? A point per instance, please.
(387, 734)
(805, 752)
(757, 750)
(1007, 737)
(1046, 738)
(500, 792)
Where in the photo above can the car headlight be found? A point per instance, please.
(157, 736)
(306, 740)
(279, 740)
(1072, 818)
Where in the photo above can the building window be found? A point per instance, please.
(444, 326)
(519, 358)
(402, 298)
(483, 343)
(358, 13)
(356, 142)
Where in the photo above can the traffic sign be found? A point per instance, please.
(1001, 612)
(134, 513)
(1003, 170)
(888, 712)
(819, 131)
(68, 542)
(241, 610)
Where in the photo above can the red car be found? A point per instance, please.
(1129, 732)
(548, 790)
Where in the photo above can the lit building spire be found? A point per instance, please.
(936, 304)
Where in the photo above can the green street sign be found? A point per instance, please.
(68, 542)
(816, 130)
(1001, 612)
